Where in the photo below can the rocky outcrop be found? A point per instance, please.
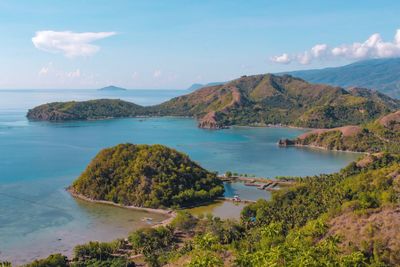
(50, 115)
(286, 142)
(391, 120)
(210, 121)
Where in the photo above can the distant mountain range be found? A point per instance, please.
(112, 88)
(378, 74)
(197, 86)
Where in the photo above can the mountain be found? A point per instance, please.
(270, 99)
(380, 135)
(147, 176)
(112, 88)
(197, 86)
(379, 74)
(256, 100)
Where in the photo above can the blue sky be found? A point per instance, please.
(172, 44)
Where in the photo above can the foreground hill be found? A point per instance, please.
(147, 176)
(269, 99)
(349, 218)
(380, 135)
(250, 100)
(85, 110)
(379, 74)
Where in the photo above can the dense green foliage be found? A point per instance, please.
(372, 137)
(147, 176)
(300, 226)
(55, 260)
(377, 74)
(97, 254)
(291, 230)
(85, 110)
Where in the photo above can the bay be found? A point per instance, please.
(39, 159)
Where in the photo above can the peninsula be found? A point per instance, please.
(382, 134)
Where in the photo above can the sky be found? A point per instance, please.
(171, 44)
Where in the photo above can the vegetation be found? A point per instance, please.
(350, 218)
(85, 110)
(269, 99)
(55, 260)
(381, 135)
(147, 176)
(249, 100)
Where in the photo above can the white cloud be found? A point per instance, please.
(157, 74)
(373, 47)
(71, 44)
(284, 59)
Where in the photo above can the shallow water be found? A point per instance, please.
(221, 209)
(39, 159)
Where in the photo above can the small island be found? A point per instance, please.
(149, 176)
(112, 88)
(85, 110)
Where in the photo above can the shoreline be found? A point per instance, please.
(326, 149)
(169, 213)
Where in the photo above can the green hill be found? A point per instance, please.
(379, 74)
(349, 218)
(85, 110)
(147, 176)
(269, 99)
(380, 135)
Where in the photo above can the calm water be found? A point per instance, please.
(39, 159)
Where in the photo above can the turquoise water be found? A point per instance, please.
(39, 159)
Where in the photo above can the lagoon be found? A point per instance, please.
(39, 159)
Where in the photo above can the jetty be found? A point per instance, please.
(261, 183)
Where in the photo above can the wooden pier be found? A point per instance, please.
(259, 182)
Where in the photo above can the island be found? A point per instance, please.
(85, 110)
(112, 88)
(258, 100)
(150, 176)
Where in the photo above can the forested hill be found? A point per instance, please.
(256, 100)
(349, 218)
(147, 176)
(85, 110)
(379, 74)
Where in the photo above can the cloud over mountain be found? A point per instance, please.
(71, 44)
(373, 47)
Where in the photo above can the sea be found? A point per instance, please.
(38, 160)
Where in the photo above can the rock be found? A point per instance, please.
(286, 142)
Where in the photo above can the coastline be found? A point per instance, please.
(326, 149)
(169, 213)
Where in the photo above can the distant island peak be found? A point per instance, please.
(112, 88)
